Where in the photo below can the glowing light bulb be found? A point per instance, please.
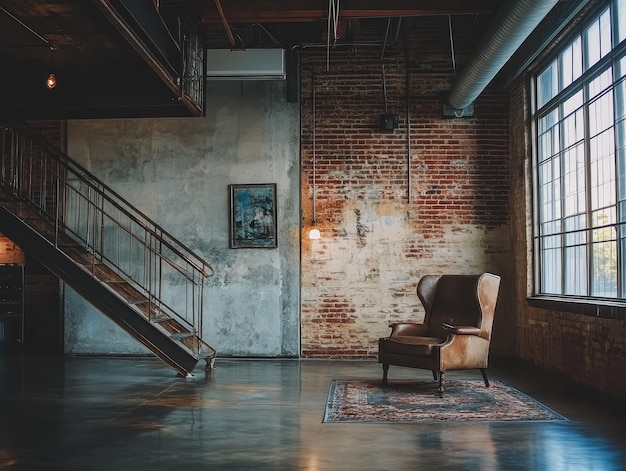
(51, 82)
(314, 234)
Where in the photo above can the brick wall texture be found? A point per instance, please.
(431, 196)
(10, 253)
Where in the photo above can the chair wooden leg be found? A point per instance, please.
(483, 372)
(385, 370)
(434, 375)
(441, 384)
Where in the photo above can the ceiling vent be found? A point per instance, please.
(246, 64)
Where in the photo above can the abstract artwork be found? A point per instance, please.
(253, 216)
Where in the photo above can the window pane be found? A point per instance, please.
(549, 143)
(621, 19)
(604, 255)
(573, 129)
(622, 232)
(573, 104)
(547, 84)
(601, 83)
(550, 185)
(598, 39)
(604, 270)
(575, 255)
(602, 170)
(549, 137)
(601, 114)
(551, 264)
(574, 181)
(621, 66)
(548, 121)
(576, 270)
(620, 137)
(571, 63)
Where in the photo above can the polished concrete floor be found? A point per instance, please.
(83, 413)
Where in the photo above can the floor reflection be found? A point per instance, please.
(134, 413)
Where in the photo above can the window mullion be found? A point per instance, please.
(618, 98)
(588, 185)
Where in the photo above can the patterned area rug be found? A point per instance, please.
(419, 402)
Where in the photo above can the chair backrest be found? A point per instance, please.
(460, 300)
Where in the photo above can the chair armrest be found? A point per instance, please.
(462, 329)
(408, 328)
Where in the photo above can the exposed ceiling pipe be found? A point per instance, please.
(51, 46)
(514, 23)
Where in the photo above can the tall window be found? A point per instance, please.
(580, 179)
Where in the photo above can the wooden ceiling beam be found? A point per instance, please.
(229, 32)
(277, 11)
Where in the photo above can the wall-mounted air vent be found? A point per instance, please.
(246, 64)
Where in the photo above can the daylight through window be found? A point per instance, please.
(580, 164)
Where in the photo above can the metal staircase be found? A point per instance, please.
(123, 263)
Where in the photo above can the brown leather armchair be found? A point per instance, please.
(456, 331)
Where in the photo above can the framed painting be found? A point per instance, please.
(253, 222)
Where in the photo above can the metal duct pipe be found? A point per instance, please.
(514, 23)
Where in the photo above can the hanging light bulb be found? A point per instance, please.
(314, 233)
(51, 82)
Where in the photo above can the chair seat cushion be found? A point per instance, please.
(410, 345)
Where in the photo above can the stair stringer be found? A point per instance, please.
(97, 293)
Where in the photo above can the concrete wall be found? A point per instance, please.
(177, 172)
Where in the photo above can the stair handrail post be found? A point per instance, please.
(57, 210)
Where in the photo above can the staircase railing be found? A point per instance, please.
(155, 263)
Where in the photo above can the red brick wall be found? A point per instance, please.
(376, 241)
(10, 253)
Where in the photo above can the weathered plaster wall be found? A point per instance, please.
(177, 172)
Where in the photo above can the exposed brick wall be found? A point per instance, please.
(589, 350)
(385, 222)
(10, 253)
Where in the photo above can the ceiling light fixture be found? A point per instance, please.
(314, 233)
(51, 81)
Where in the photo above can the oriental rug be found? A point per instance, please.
(367, 401)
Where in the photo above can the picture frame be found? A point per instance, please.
(253, 221)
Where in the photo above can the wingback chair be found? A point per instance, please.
(456, 331)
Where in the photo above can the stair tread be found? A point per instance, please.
(181, 335)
